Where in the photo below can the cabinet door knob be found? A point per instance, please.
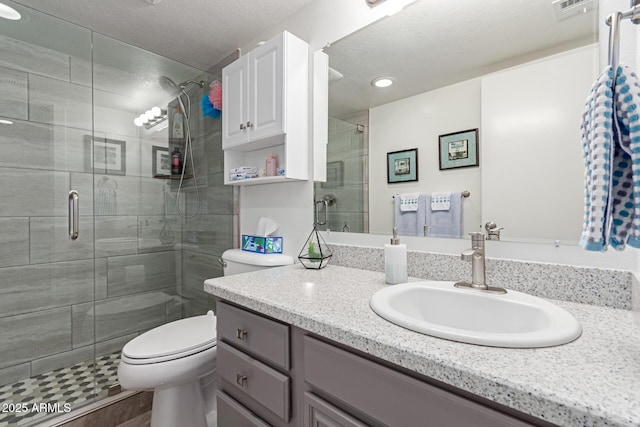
(249, 124)
(241, 333)
(241, 380)
(241, 126)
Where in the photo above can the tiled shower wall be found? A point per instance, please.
(208, 234)
(62, 302)
(347, 176)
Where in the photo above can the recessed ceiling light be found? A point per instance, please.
(383, 81)
(7, 12)
(5, 122)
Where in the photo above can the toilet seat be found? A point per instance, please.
(172, 341)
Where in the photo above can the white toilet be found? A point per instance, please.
(178, 360)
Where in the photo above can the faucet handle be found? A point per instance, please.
(477, 239)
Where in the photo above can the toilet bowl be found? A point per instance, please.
(178, 360)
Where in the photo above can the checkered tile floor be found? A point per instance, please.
(28, 401)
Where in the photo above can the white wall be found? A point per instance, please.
(291, 204)
(416, 122)
(532, 164)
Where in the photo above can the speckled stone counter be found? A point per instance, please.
(593, 381)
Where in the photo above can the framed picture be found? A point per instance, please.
(161, 161)
(459, 149)
(335, 171)
(402, 166)
(108, 156)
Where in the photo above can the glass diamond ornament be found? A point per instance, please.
(315, 253)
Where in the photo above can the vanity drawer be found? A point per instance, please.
(249, 376)
(231, 413)
(391, 397)
(264, 337)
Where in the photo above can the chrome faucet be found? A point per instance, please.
(493, 231)
(478, 276)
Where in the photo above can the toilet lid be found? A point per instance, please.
(177, 337)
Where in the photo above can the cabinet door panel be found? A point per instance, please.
(266, 89)
(318, 413)
(235, 79)
(391, 397)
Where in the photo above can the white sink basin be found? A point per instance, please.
(439, 309)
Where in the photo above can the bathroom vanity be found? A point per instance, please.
(302, 347)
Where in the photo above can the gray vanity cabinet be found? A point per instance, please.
(318, 383)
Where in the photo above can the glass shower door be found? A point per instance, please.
(47, 280)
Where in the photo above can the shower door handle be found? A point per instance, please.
(74, 215)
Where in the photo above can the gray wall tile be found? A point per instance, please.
(61, 360)
(101, 278)
(60, 103)
(82, 324)
(14, 373)
(13, 93)
(116, 235)
(44, 286)
(174, 304)
(196, 302)
(14, 241)
(41, 192)
(122, 316)
(24, 56)
(50, 239)
(159, 233)
(132, 274)
(113, 345)
(213, 234)
(34, 335)
(198, 267)
(219, 197)
(43, 146)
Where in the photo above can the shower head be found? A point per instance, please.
(174, 89)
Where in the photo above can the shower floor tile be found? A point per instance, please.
(53, 393)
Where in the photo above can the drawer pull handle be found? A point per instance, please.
(241, 380)
(241, 333)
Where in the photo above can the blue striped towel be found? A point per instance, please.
(610, 133)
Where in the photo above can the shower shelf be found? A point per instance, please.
(172, 177)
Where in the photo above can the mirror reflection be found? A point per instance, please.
(519, 72)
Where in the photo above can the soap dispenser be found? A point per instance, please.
(395, 260)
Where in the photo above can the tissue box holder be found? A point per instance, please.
(262, 244)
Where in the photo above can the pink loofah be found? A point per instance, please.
(215, 94)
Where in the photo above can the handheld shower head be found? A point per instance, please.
(174, 89)
(169, 86)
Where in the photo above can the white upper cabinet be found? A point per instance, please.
(265, 98)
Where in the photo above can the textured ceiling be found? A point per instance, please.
(199, 33)
(435, 43)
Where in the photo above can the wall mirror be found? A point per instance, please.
(517, 71)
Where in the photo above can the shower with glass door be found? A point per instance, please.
(68, 100)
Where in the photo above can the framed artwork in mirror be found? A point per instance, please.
(458, 149)
(402, 166)
(161, 165)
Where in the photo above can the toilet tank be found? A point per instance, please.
(237, 261)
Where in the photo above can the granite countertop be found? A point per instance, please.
(592, 381)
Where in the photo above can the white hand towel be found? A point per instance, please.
(441, 201)
(409, 202)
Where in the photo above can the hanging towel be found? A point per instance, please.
(610, 133)
(410, 223)
(446, 223)
(441, 201)
(409, 202)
